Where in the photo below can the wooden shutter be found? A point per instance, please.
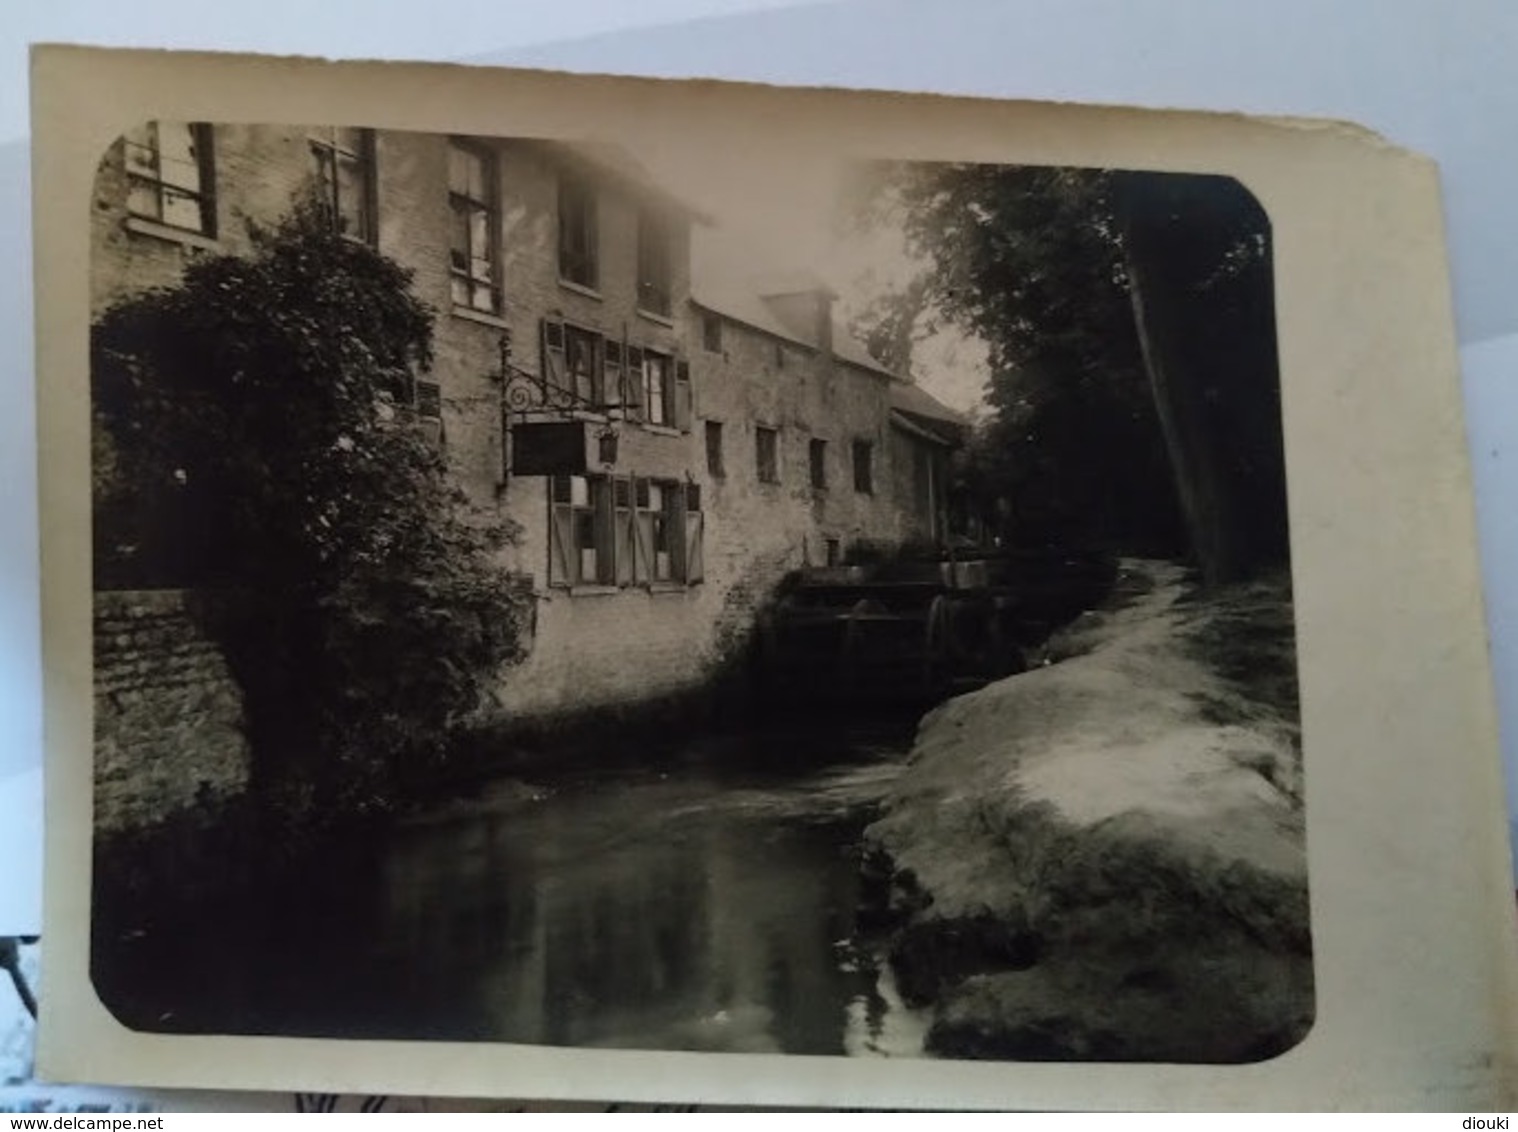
(624, 535)
(643, 534)
(611, 364)
(605, 531)
(561, 548)
(681, 415)
(695, 547)
(555, 365)
(632, 362)
(674, 515)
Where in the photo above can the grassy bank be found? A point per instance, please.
(1104, 857)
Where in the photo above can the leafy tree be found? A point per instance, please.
(1027, 260)
(254, 439)
(1133, 398)
(1202, 288)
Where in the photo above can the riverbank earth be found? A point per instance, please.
(1103, 858)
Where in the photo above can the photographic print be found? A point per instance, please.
(588, 593)
(534, 598)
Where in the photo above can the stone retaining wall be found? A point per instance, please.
(168, 715)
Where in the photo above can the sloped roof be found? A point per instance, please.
(611, 160)
(913, 399)
(747, 294)
(744, 295)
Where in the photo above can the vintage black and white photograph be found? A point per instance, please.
(549, 591)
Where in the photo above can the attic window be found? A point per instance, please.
(711, 333)
(577, 232)
(655, 264)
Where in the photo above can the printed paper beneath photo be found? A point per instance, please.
(601, 596)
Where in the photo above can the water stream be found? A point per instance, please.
(708, 904)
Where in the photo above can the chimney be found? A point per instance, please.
(824, 327)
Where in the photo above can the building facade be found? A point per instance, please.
(669, 447)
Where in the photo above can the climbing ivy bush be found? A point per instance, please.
(254, 442)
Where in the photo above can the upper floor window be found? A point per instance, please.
(714, 462)
(577, 232)
(864, 472)
(666, 393)
(474, 262)
(606, 375)
(657, 387)
(170, 175)
(582, 356)
(711, 333)
(817, 454)
(655, 264)
(344, 158)
(767, 454)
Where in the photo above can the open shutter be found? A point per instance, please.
(605, 531)
(624, 535)
(680, 417)
(695, 536)
(555, 365)
(643, 534)
(612, 374)
(560, 544)
(632, 361)
(695, 547)
(675, 517)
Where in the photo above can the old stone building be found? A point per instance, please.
(669, 448)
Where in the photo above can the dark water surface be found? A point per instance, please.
(709, 904)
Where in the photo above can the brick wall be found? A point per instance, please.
(168, 716)
(590, 648)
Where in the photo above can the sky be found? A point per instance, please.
(794, 220)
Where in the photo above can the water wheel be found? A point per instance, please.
(769, 642)
(937, 645)
(851, 647)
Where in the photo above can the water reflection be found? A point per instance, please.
(699, 909)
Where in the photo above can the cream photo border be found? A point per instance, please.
(1410, 884)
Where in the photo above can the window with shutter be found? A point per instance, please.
(585, 517)
(658, 389)
(582, 352)
(663, 507)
